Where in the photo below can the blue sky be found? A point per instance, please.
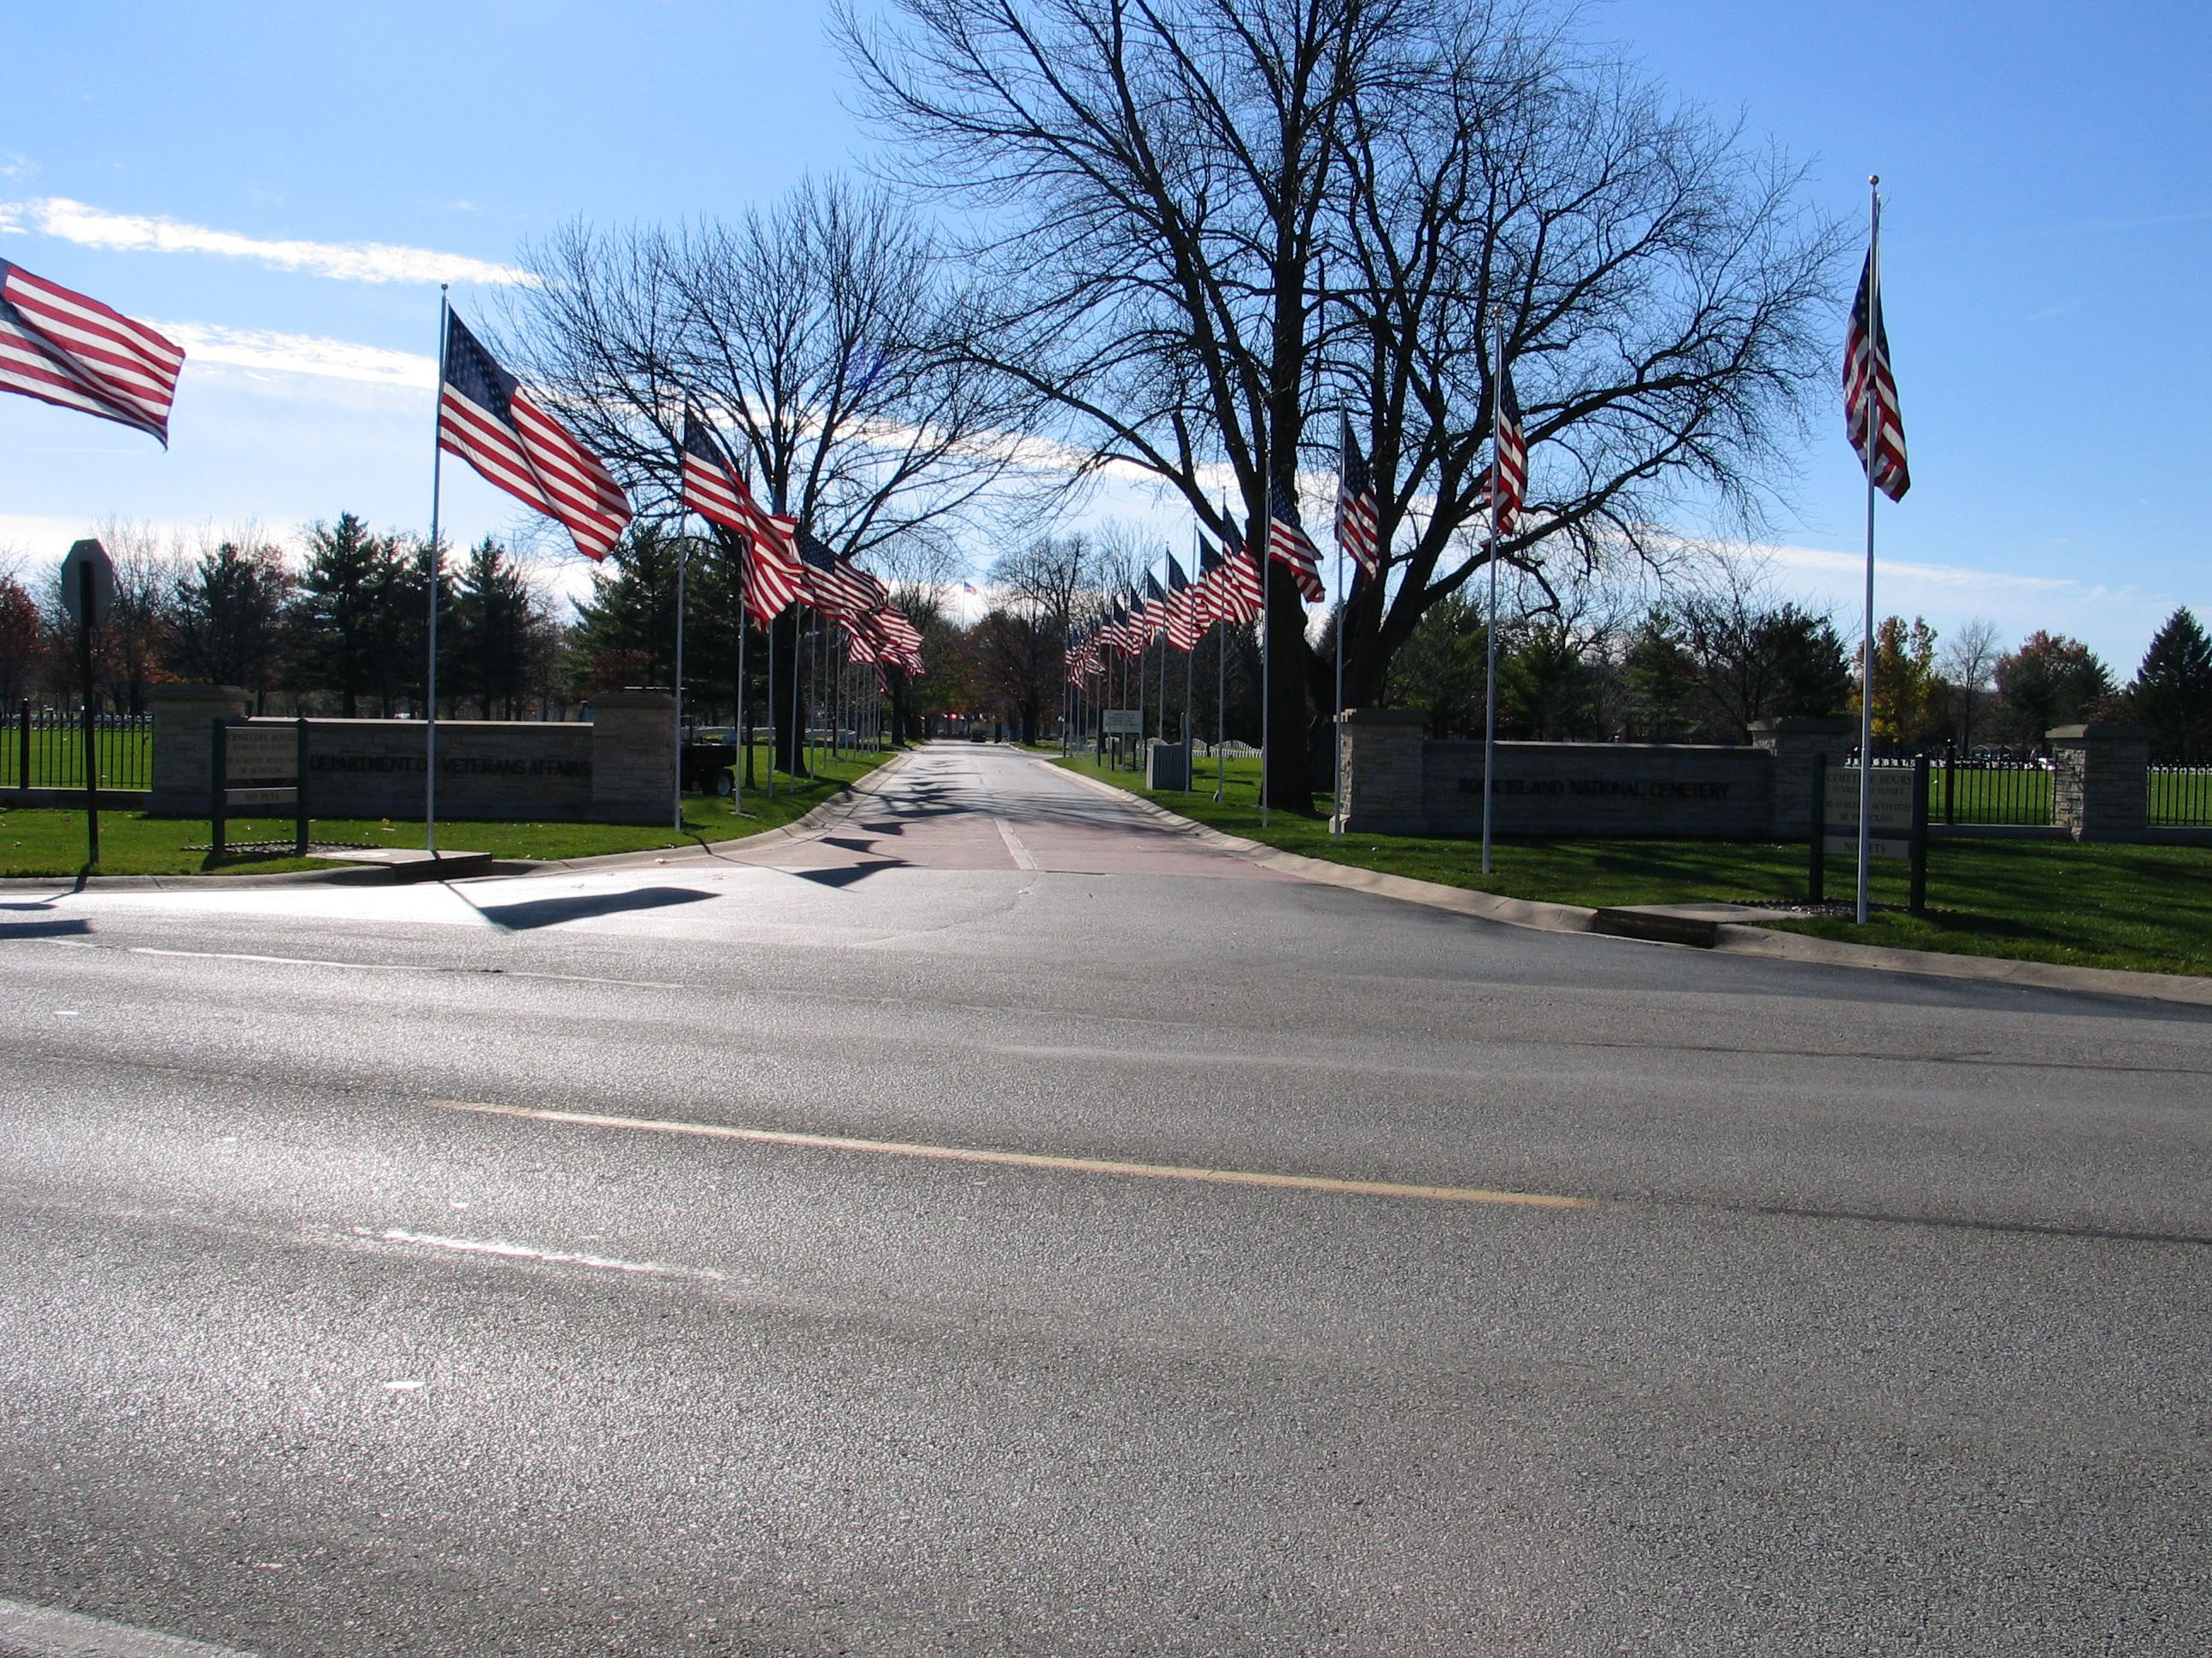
(2048, 232)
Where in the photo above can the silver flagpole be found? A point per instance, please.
(431, 674)
(682, 548)
(744, 690)
(1343, 616)
(1266, 558)
(1221, 704)
(1870, 406)
(1489, 676)
(1189, 672)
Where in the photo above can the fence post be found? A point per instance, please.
(23, 746)
(1919, 902)
(1950, 781)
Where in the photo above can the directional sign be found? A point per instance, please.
(87, 552)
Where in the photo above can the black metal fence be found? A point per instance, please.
(2179, 797)
(1983, 789)
(43, 748)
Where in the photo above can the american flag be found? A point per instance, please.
(1156, 607)
(1356, 521)
(486, 418)
(1869, 385)
(873, 594)
(1204, 598)
(829, 587)
(1184, 624)
(1289, 545)
(1237, 595)
(63, 348)
(902, 639)
(1509, 458)
(711, 486)
(714, 488)
(773, 577)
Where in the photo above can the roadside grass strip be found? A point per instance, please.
(1166, 1171)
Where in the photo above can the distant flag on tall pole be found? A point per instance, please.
(1877, 432)
(711, 486)
(1509, 457)
(1156, 607)
(486, 418)
(61, 348)
(1184, 624)
(1289, 545)
(1356, 515)
(1237, 595)
(1870, 390)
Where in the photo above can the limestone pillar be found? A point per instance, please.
(184, 741)
(2099, 777)
(633, 757)
(1794, 741)
(1384, 752)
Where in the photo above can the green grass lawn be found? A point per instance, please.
(2147, 908)
(40, 842)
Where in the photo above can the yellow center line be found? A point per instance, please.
(1365, 1188)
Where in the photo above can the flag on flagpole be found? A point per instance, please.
(1870, 390)
(1356, 515)
(715, 487)
(1237, 597)
(1156, 607)
(75, 353)
(1509, 457)
(1184, 624)
(486, 418)
(1206, 592)
(1289, 545)
(710, 483)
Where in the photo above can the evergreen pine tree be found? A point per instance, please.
(230, 612)
(502, 636)
(342, 630)
(2172, 691)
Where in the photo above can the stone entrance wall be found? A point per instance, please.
(619, 767)
(1400, 780)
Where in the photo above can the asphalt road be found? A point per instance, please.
(1881, 1324)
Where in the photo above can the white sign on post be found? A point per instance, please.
(1891, 824)
(1122, 722)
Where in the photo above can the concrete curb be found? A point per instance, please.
(824, 814)
(1732, 939)
(836, 809)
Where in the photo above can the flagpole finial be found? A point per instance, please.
(1874, 177)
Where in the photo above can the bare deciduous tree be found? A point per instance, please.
(1217, 224)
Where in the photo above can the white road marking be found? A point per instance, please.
(41, 1632)
(374, 966)
(507, 1251)
(1163, 1171)
(1021, 854)
(273, 960)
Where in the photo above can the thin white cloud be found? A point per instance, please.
(359, 262)
(300, 354)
